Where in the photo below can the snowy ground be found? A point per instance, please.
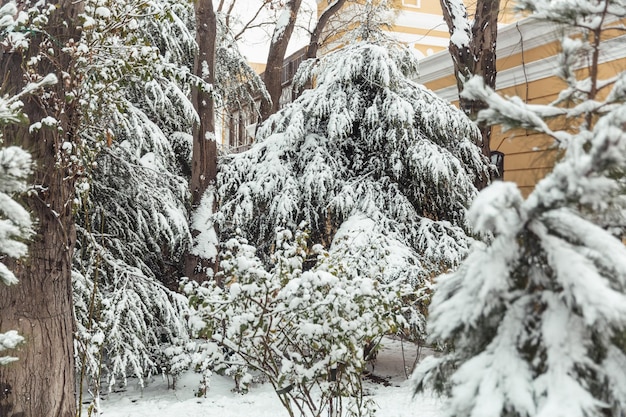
(394, 398)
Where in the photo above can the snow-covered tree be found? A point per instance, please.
(132, 221)
(35, 47)
(133, 226)
(534, 321)
(379, 167)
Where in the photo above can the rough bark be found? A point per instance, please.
(478, 57)
(39, 307)
(204, 156)
(275, 58)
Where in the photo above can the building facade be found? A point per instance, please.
(527, 61)
(238, 125)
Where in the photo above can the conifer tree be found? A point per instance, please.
(38, 46)
(132, 225)
(379, 168)
(534, 321)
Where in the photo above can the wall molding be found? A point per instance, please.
(534, 34)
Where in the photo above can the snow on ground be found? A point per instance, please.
(394, 398)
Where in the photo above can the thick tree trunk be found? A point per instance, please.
(39, 307)
(484, 35)
(204, 157)
(478, 57)
(276, 57)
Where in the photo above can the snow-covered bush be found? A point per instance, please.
(535, 319)
(366, 145)
(303, 328)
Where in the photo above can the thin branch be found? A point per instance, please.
(250, 25)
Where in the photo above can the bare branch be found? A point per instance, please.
(250, 22)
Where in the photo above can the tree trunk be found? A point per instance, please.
(484, 35)
(314, 42)
(204, 157)
(39, 307)
(276, 57)
(478, 57)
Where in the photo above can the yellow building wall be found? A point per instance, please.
(528, 72)
(529, 155)
(418, 23)
(258, 67)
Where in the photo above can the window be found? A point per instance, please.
(411, 3)
(497, 159)
(233, 130)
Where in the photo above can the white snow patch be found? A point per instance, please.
(205, 70)
(496, 209)
(281, 25)
(205, 244)
(49, 121)
(103, 12)
(396, 400)
(34, 127)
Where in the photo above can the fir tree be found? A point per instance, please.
(378, 167)
(132, 200)
(534, 320)
(133, 229)
(381, 171)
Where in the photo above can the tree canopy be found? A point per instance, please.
(367, 156)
